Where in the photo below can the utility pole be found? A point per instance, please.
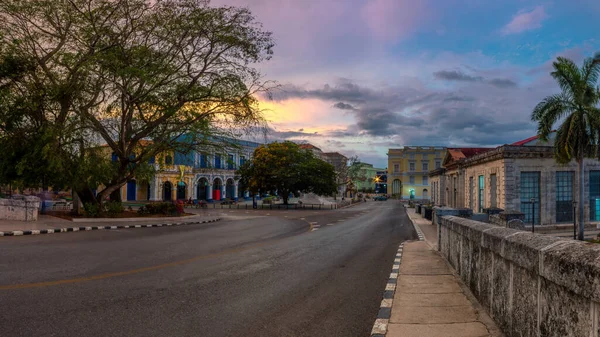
(532, 215)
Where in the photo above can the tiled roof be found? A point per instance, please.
(308, 146)
(456, 154)
(530, 139)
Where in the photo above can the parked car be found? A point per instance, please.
(228, 202)
(380, 198)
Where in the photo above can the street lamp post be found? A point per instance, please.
(532, 215)
(574, 220)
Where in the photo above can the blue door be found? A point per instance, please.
(131, 190)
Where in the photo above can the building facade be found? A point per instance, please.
(369, 178)
(449, 185)
(408, 170)
(340, 163)
(199, 175)
(524, 177)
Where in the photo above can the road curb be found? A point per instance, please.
(93, 228)
(417, 228)
(385, 309)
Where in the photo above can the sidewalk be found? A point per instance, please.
(430, 300)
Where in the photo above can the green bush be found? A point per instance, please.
(92, 210)
(143, 210)
(165, 208)
(114, 207)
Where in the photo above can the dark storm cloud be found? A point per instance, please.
(342, 91)
(454, 75)
(343, 106)
(457, 75)
(502, 83)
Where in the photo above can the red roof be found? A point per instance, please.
(466, 152)
(471, 151)
(456, 154)
(525, 141)
(308, 146)
(530, 139)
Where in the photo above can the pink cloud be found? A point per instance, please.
(393, 20)
(525, 20)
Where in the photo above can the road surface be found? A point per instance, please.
(255, 273)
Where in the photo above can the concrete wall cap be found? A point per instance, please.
(523, 248)
(574, 265)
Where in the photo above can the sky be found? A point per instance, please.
(362, 76)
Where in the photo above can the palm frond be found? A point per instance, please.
(567, 75)
(562, 143)
(549, 111)
(591, 70)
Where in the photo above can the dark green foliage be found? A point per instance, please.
(165, 208)
(113, 208)
(285, 167)
(92, 210)
(575, 108)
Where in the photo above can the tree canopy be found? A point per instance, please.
(575, 108)
(131, 75)
(285, 167)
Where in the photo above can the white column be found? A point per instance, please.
(209, 192)
(194, 190)
(235, 192)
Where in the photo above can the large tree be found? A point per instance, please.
(285, 167)
(139, 77)
(576, 110)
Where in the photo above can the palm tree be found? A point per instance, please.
(576, 109)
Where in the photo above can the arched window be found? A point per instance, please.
(169, 160)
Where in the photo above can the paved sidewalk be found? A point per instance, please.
(430, 300)
(428, 230)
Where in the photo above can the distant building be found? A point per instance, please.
(408, 170)
(381, 184)
(340, 163)
(370, 178)
(315, 150)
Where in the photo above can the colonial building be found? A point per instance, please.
(198, 175)
(408, 170)
(523, 176)
(447, 182)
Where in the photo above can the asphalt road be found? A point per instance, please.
(250, 275)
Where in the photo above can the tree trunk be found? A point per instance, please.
(86, 195)
(285, 195)
(580, 235)
(116, 195)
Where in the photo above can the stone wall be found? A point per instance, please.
(531, 284)
(25, 209)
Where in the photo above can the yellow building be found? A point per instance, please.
(408, 170)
